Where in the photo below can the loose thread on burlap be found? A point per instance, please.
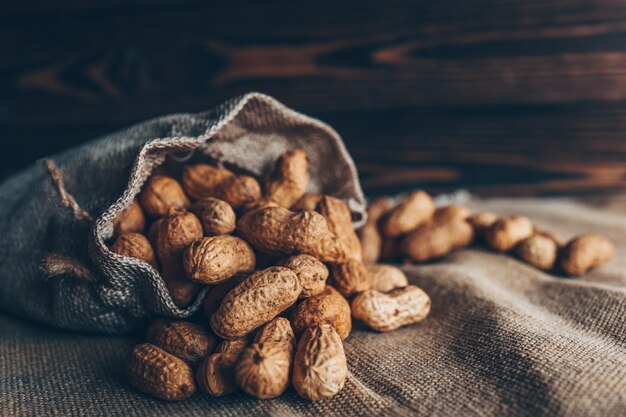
(66, 198)
(53, 265)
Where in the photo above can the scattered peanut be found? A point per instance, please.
(185, 340)
(451, 212)
(585, 252)
(507, 232)
(384, 312)
(371, 240)
(481, 222)
(417, 208)
(385, 278)
(539, 251)
(212, 260)
(327, 307)
(434, 240)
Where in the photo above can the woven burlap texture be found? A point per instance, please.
(104, 176)
(503, 339)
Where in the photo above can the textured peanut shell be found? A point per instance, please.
(371, 239)
(160, 194)
(350, 278)
(385, 278)
(255, 301)
(417, 208)
(481, 222)
(279, 231)
(239, 191)
(537, 231)
(384, 312)
(212, 260)
(320, 368)
(308, 201)
(507, 232)
(539, 251)
(339, 219)
(175, 232)
(160, 374)
(216, 374)
(447, 213)
(289, 179)
(264, 368)
(327, 307)
(434, 240)
(202, 180)
(185, 340)
(311, 273)
(585, 252)
(216, 295)
(216, 216)
(135, 245)
(130, 220)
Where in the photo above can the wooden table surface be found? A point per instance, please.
(512, 97)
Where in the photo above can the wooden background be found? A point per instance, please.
(503, 97)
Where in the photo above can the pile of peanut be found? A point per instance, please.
(288, 273)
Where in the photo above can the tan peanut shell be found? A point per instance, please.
(327, 307)
(339, 219)
(216, 294)
(255, 301)
(135, 245)
(160, 194)
(160, 374)
(175, 232)
(311, 273)
(279, 231)
(481, 222)
(320, 368)
(371, 239)
(185, 340)
(417, 208)
(264, 368)
(384, 312)
(450, 212)
(539, 251)
(585, 252)
(537, 231)
(212, 260)
(239, 191)
(507, 232)
(350, 278)
(216, 216)
(289, 179)
(130, 220)
(202, 180)
(385, 278)
(434, 240)
(308, 201)
(216, 374)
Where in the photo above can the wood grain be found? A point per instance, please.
(501, 97)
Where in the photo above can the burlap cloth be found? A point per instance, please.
(502, 339)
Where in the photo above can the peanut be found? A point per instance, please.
(350, 278)
(537, 231)
(239, 191)
(385, 278)
(182, 339)
(327, 307)
(216, 374)
(320, 368)
(257, 300)
(417, 208)
(481, 222)
(507, 232)
(308, 201)
(339, 219)
(175, 232)
(160, 194)
(279, 231)
(447, 213)
(214, 298)
(311, 273)
(130, 220)
(160, 374)
(212, 260)
(384, 312)
(434, 240)
(539, 251)
(202, 180)
(217, 216)
(289, 179)
(371, 240)
(585, 252)
(135, 245)
(264, 367)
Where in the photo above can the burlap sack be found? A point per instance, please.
(97, 290)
